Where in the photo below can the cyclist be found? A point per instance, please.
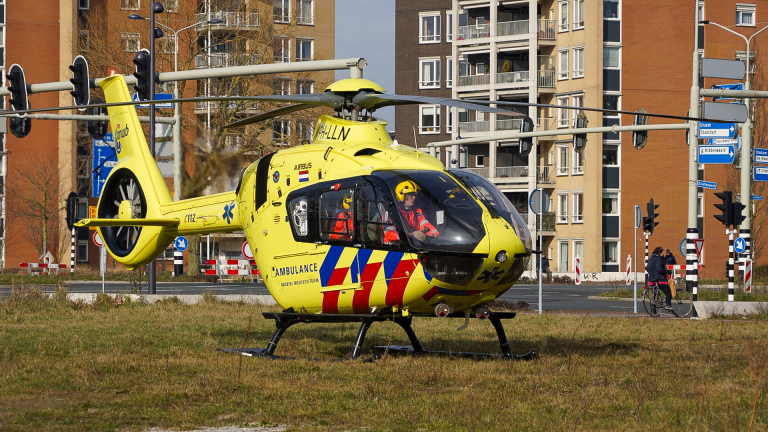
(657, 273)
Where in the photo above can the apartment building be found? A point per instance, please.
(612, 54)
(241, 32)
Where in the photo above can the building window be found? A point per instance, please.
(742, 55)
(306, 12)
(562, 159)
(578, 14)
(611, 9)
(303, 50)
(563, 16)
(449, 72)
(83, 4)
(171, 6)
(304, 131)
(84, 40)
(610, 155)
(610, 203)
(578, 163)
(130, 42)
(562, 207)
(562, 113)
(562, 255)
(578, 62)
(429, 27)
(611, 57)
(282, 11)
(578, 248)
(745, 14)
(611, 102)
(82, 251)
(449, 26)
(282, 50)
(610, 253)
(429, 74)
(563, 66)
(578, 207)
(282, 86)
(429, 119)
(130, 4)
(281, 132)
(305, 86)
(165, 45)
(479, 161)
(448, 120)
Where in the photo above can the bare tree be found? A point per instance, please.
(759, 235)
(34, 197)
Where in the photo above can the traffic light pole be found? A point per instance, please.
(691, 260)
(156, 7)
(730, 264)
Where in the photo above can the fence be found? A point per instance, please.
(42, 268)
(234, 267)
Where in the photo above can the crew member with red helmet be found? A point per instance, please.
(416, 224)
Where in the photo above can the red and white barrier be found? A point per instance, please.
(748, 276)
(225, 268)
(577, 267)
(629, 270)
(42, 268)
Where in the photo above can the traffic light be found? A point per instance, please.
(726, 207)
(81, 86)
(580, 139)
(640, 138)
(143, 71)
(738, 213)
(19, 101)
(72, 210)
(526, 144)
(649, 222)
(97, 128)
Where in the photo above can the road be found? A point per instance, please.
(555, 297)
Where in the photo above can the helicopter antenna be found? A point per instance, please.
(415, 144)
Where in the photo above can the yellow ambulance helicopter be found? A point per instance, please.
(350, 227)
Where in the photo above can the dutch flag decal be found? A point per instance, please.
(303, 176)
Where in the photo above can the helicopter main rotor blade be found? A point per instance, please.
(487, 102)
(374, 101)
(270, 114)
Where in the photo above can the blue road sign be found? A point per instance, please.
(735, 142)
(180, 243)
(739, 86)
(538, 202)
(739, 245)
(761, 173)
(756, 197)
(104, 159)
(706, 184)
(158, 96)
(761, 155)
(716, 130)
(716, 154)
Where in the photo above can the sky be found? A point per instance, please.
(366, 28)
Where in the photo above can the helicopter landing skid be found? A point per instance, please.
(284, 320)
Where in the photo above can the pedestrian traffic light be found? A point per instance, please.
(142, 74)
(526, 144)
(738, 213)
(649, 223)
(81, 86)
(97, 128)
(640, 137)
(19, 101)
(726, 207)
(580, 139)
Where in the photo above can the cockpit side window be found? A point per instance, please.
(336, 215)
(374, 214)
(298, 214)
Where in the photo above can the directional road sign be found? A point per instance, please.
(739, 86)
(706, 184)
(104, 159)
(761, 155)
(721, 68)
(158, 96)
(716, 154)
(761, 173)
(756, 197)
(735, 142)
(180, 243)
(739, 245)
(716, 130)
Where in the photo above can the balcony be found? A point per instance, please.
(231, 19)
(521, 78)
(509, 124)
(224, 59)
(474, 126)
(512, 28)
(476, 31)
(546, 79)
(547, 29)
(545, 175)
(203, 107)
(473, 80)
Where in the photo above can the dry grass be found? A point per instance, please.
(127, 366)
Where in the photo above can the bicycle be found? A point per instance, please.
(653, 301)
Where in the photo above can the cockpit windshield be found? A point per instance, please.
(434, 211)
(496, 202)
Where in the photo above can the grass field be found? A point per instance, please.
(129, 366)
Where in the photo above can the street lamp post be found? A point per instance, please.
(746, 151)
(176, 109)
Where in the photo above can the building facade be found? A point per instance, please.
(611, 54)
(242, 32)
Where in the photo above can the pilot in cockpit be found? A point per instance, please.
(416, 224)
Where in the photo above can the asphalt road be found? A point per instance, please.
(555, 297)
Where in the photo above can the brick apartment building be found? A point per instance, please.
(613, 54)
(44, 38)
